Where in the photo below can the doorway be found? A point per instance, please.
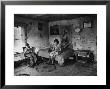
(19, 39)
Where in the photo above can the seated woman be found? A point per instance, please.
(55, 50)
(29, 53)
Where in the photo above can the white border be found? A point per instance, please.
(100, 10)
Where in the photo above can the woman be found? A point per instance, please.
(29, 53)
(65, 40)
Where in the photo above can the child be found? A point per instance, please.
(55, 50)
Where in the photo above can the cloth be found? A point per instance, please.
(55, 51)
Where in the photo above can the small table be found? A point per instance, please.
(85, 55)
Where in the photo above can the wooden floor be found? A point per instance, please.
(70, 69)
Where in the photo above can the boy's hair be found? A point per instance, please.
(56, 40)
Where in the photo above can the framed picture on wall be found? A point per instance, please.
(87, 25)
(54, 30)
(40, 26)
(9, 8)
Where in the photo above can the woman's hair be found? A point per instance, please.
(27, 44)
(56, 40)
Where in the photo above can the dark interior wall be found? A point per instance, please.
(84, 40)
(35, 37)
(38, 38)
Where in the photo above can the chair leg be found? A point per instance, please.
(52, 61)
